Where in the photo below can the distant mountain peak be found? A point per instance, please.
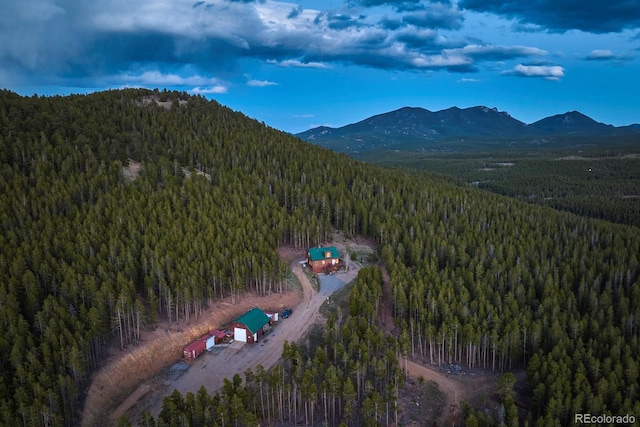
(419, 127)
(571, 122)
(487, 109)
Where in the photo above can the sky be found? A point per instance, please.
(295, 65)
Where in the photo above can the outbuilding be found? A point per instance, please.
(250, 326)
(216, 337)
(193, 350)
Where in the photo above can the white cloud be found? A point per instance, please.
(494, 51)
(439, 61)
(548, 72)
(260, 83)
(600, 54)
(218, 89)
(297, 63)
(157, 78)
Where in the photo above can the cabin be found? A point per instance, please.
(324, 259)
(251, 326)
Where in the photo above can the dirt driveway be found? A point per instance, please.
(210, 369)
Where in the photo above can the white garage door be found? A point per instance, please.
(211, 341)
(240, 334)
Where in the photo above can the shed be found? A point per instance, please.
(323, 259)
(251, 326)
(215, 337)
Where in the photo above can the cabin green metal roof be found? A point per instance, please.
(317, 254)
(254, 319)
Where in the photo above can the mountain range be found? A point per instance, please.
(453, 128)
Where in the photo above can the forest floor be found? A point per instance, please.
(138, 378)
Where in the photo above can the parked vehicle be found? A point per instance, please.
(286, 313)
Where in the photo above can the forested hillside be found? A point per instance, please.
(90, 255)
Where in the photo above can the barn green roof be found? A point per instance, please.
(254, 319)
(317, 254)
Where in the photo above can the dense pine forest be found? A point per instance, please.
(597, 178)
(94, 252)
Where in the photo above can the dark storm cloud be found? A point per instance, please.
(156, 39)
(78, 39)
(441, 14)
(418, 39)
(296, 11)
(435, 15)
(341, 22)
(40, 35)
(391, 23)
(594, 16)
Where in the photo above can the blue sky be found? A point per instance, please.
(301, 64)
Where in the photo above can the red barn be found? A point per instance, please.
(250, 326)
